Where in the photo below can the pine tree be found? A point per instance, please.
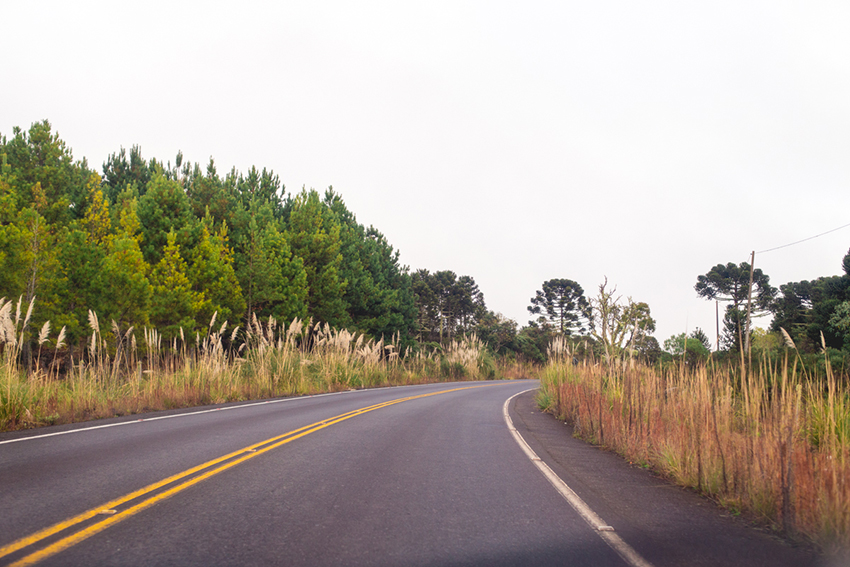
(163, 208)
(285, 295)
(96, 221)
(126, 284)
(209, 195)
(13, 239)
(119, 175)
(211, 273)
(314, 237)
(378, 295)
(561, 306)
(274, 282)
(174, 303)
(46, 175)
(80, 283)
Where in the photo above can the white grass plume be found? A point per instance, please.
(789, 342)
(93, 322)
(60, 340)
(7, 328)
(43, 334)
(29, 312)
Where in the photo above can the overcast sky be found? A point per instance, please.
(513, 142)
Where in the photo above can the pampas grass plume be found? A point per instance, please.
(45, 331)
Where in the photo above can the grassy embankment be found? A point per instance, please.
(118, 376)
(772, 443)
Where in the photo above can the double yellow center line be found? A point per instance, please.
(98, 519)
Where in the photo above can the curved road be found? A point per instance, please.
(420, 475)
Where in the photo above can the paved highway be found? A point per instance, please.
(422, 475)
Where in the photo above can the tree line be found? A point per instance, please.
(145, 243)
(606, 326)
(810, 314)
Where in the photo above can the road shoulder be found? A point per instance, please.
(666, 524)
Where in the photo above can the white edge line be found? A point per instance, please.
(604, 531)
(185, 414)
(191, 413)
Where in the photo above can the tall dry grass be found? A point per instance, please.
(772, 443)
(117, 374)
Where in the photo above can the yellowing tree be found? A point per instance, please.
(174, 304)
(96, 221)
(211, 273)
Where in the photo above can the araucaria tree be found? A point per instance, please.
(731, 283)
(809, 310)
(561, 306)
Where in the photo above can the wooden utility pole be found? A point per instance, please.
(748, 345)
(717, 324)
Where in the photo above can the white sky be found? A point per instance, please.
(645, 141)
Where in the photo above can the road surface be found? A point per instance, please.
(421, 475)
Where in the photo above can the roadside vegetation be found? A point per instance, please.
(154, 244)
(759, 421)
(119, 374)
(772, 442)
(153, 285)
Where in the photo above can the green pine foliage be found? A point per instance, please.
(45, 175)
(284, 293)
(151, 244)
(13, 254)
(79, 282)
(163, 208)
(379, 298)
(121, 174)
(314, 236)
(273, 280)
(126, 284)
(448, 305)
(210, 195)
(175, 304)
(97, 221)
(212, 275)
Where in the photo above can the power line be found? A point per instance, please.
(804, 240)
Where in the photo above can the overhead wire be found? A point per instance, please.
(803, 240)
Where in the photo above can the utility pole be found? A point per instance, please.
(747, 344)
(717, 324)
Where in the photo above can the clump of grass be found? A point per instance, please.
(462, 357)
(771, 441)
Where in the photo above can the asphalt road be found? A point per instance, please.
(435, 480)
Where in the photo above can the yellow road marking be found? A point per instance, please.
(247, 453)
